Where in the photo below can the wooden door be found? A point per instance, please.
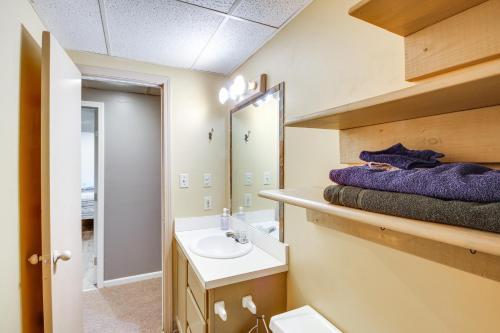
(60, 190)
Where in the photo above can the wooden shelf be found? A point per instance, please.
(312, 199)
(408, 16)
(470, 88)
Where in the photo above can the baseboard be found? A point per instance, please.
(133, 278)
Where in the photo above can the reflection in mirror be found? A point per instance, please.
(256, 152)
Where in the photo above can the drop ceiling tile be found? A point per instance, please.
(220, 5)
(233, 43)
(166, 32)
(75, 23)
(273, 13)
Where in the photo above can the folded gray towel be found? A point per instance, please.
(473, 215)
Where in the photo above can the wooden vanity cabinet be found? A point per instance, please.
(199, 292)
(195, 320)
(180, 284)
(194, 305)
(268, 293)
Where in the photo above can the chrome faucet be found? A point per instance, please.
(240, 237)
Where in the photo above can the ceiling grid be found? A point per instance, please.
(207, 35)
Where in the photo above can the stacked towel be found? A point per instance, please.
(456, 181)
(400, 157)
(414, 184)
(459, 213)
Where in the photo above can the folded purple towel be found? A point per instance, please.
(400, 157)
(455, 181)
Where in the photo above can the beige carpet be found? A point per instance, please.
(129, 308)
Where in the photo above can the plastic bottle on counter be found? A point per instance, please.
(225, 219)
(240, 215)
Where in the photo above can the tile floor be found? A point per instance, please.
(129, 308)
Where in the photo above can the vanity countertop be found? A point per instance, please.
(214, 273)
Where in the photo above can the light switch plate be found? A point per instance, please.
(207, 202)
(183, 180)
(248, 179)
(267, 178)
(207, 180)
(247, 200)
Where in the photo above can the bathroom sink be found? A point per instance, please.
(220, 247)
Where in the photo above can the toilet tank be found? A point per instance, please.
(304, 319)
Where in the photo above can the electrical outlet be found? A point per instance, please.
(247, 200)
(183, 180)
(207, 180)
(207, 202)
(248, 179)
(267, 178)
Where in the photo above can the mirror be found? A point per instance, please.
(257, 138)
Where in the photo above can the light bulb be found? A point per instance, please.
(240, 85)
(223, 95)
(259, 102)
(252, 85)
(233, 92)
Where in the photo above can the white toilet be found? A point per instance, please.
(301, 320)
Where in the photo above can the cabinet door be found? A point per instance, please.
(195, 319)
(198, 291)
(181, 290)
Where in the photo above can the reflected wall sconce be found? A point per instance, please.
(264, 99)
(247, 136)
(210, 135)
(240, 89)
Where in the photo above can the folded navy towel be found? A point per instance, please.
(401, 157)
(481, 216)
(454, 181)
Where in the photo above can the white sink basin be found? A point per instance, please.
(220, 247)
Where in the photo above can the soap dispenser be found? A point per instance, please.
(225, 219)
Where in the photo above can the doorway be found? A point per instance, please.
(92, 184)
(121, 206)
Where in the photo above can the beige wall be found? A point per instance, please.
(195, 110)
(13, 14)
(327, 58)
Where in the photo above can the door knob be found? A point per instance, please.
(63, 255)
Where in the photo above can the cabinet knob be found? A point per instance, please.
(220, 310)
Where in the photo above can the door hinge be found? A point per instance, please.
(35, 259)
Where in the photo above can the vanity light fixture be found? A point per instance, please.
(223, 95)
(241, 88)
(265, 99)
(252, 85)
(240, 85)
(259, 102)
(233, 92)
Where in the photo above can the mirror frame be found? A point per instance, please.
(281, 177)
